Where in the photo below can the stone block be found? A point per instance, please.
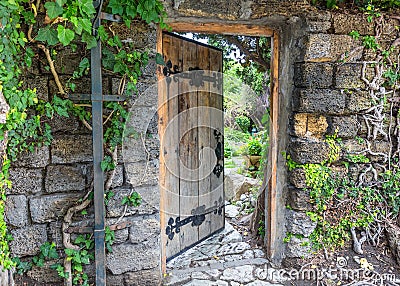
(144, 36)
(37, 159)
(51, 207)
(133, 150)
(299, 223)
(328, 48)
(241, 274)
(133, 257)
(299, 199)
(319, 22)
(142, 173)
(118, 179)
(324, 101)
(115, 207)
(121, 236)
(144, 231)
(28, 240)
(309, 151)
(352, 146)
(72, 149)
(63, 124)
(349, 76)
(16, 210)
(313, 75)
(144, 277)
(67, 60)
(298, 247)
(345, 126)
(55, 233)
(236, 185)
(298, 178)
(82, 85)
(40, 83)
(61, 178)
(308, 125)
(380, 148)
(150, 199)
(357, 100)
(45, 274)
(262, 9)
(26, 181)
(209, 8)
(115, 280)
(345, 23)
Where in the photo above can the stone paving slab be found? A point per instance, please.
(222, 260)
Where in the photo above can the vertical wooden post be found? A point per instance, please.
(271, 200)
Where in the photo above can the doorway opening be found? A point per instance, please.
(188, 214)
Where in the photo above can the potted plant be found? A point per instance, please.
(254, 149)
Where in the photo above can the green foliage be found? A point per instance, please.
(254, 146)
(132, 200)
(109, 238)
(233, 135)
(354, 34)
(243, 122)
(364, 5)
(26, 127)
(370, 43)
(21, 267)
(261, 228)
(48, 251)
(358, 158)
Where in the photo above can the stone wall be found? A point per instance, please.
(330, 97)
(52, 179)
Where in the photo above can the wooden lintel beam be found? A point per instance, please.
(222, 28)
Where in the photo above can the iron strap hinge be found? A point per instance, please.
(197, 218)
(88, 229)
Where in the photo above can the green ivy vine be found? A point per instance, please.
(28, 28)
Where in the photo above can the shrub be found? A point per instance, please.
(243, 122)
(254, 146)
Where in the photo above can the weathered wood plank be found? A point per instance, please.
(217, 122)
(169, 150)
(205, 151)
(188, 147)
(271, 200)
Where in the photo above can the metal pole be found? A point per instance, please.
(98, 184)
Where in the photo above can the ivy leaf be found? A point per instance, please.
(102, 33)
(53, 9)
(65, 35)
(86, 25)
(116, 7)
(87, 7)
(61, 2)
(90, 40)
(131, 11)
(47, 35)
(108, 59)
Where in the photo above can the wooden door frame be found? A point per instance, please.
(248, 30)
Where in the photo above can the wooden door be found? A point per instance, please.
(191, 143)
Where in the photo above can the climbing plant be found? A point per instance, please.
(356, 196)
(30, 30)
